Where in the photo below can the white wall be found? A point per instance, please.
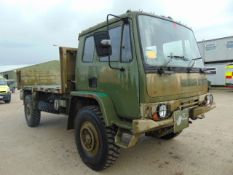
(219, 52)
(219, 77)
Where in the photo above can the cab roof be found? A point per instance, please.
(129, 14)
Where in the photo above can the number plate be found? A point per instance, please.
(1, 97)
(181, 120)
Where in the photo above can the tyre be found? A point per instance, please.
(32, 114)
(170, 136)
(8, 100)
(95, 141)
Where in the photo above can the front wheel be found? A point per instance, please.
(8, 100)
(32, 114)
(170, 136)
(94, 140)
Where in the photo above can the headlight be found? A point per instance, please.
(162, 111)
(209, 99)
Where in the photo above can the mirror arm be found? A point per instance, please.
(116, 68)
(122, 33)
(109, 61)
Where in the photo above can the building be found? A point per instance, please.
(217, 53)
(10, 75)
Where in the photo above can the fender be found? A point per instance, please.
(106, 107)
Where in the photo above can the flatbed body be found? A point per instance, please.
(55, 76)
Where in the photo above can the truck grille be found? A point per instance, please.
(189, 103)
(2, 92)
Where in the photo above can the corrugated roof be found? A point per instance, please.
(129, 13)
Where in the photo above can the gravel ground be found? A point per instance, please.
(205, 148)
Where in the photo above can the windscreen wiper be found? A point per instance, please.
(207, 71)
(179, 57)
(162, 70)
(176, 57)
(194, 61)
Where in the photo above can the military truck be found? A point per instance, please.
(132, 75)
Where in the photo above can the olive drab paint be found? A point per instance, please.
(128, 92)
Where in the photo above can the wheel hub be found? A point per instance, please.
(89, 137)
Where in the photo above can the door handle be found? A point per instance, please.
(92, 82)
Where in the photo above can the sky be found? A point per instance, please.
(31, 31)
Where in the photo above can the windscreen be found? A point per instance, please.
(3, 82)
(166, 43)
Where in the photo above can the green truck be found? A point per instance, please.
(132, 75)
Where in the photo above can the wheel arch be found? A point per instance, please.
(84, 98)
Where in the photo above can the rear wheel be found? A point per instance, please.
(32, 114)
(94, 140)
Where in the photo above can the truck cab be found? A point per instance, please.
(146, 73)
(154, 74)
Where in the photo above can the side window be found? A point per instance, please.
(229, 44)
(115, 36)
(88, 52)
(209, 47)
(126, 45)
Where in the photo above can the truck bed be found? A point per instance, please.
(53, 76)
(44, 88)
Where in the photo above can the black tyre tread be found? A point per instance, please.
(35, 113)
(113, 150)
(8, 101)
(170, 136)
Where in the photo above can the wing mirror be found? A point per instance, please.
(103, 43)
(106, 43)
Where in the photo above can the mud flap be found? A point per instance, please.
(181, 120)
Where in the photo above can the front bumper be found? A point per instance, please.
(144, 125)
(179, 121)
(201, 110)
(4, 97)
